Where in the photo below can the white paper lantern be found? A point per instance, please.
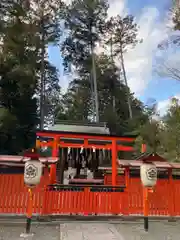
(148, 172)
(32, 172)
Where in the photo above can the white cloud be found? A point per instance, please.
(67, 1)
(139, 60)
(164, 105)
(66, 78)
(117, 7)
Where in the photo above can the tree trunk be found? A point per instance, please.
(42, 78)
(126, 83)
(112, 61)
(95, 83)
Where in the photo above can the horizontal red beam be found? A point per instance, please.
(85, 145)
(125, 148)
(79, 145)
(87, 137)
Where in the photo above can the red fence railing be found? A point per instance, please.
(84, 200)
(88, 199)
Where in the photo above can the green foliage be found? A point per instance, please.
(17, 82)
(26, 32)
(172, 130)
(162, 135)
(20, 70)
(85, 22)
(121, 33)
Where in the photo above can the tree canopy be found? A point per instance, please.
(30, 90)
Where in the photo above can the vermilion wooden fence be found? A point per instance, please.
(83, 200)
(14, 194)
(88, 200)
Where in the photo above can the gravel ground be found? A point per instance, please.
(157, 231)
(91, 231)
(41, 232)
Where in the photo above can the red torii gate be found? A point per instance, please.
(58, 139)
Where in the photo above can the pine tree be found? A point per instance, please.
(77, 51)
(121, 34)
(46, 15)
(85, 23)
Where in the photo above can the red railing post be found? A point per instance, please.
(126, 206)
(145, 207)
(53, 166)
(171, 194)
(86, 201)
(114, 162)
(114, 174)
(45, 193)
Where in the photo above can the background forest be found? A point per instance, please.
(30, 91)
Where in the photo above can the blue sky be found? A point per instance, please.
(158, 88)
(136, 5)
(151, 17)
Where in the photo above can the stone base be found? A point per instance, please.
(26, 235)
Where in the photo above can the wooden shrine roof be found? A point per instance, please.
(138, 163)
(150, 156)
(69, 134)
(11, 160)
(80, 127)
(159, 162)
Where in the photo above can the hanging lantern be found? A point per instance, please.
(32, 170)
(148, 172)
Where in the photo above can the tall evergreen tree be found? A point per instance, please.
(84, 22)
(18, 64)
(121, 34)
(46, 16)
(21, 59)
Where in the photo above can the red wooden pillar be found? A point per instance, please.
(145, 198)
(53, 166)
(114, 162)
(143, 148)
(145, 207)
